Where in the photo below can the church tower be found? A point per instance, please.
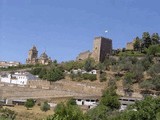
(32, 56)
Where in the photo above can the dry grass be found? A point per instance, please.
(34, 113)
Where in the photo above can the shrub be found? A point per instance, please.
(154, 70)
(7, 114)
(67, 112)
(87, 76)
(103, 77)
(54, 74)
(45, 107)
(29, 103)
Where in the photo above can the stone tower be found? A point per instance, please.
(102, 47)
(32, 56)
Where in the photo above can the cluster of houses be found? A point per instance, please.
(19, 78)
(5, 64)
(76, 71)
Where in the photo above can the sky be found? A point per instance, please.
(64, 28)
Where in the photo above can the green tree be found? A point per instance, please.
(137, 71)
(67, 112)
(54, 74)
(153, 50)
(136, 44)
(147, 84)
(70, 65)
(45, 107)
(110, 99)
(89, 64)
(128, 78)
(158, 116)
(29, 103)
(103, 76)
(42, 73)
(155, 38)
(146, 39)
(156, 82)
(98, 113)
(108, 103)
(36, 71)
(71, 102)
(146, 62)
(154, 70)
(7, 114)
(147, 109)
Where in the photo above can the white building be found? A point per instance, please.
(5, 64)
(83, 71)
(18, 78)
(125, 101)
(87, 101)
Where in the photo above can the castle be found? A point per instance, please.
(102, 47)
(33, 57)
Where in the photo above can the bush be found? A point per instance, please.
(91, 77)
(54, 74)
(36, 71)
(67, 112)
(103, 77)
(7, 114)
(153, 83)
(154, 70)
(77, 77)
(110, 99)
(147, 109)
(71, 102)
(29, 103)
(45, 107)
(128, 78)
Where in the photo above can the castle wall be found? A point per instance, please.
(83, 55)
(129, 46)
(96, 49)
(101, 48)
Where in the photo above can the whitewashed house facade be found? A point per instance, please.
(87, 101)
(18, 78)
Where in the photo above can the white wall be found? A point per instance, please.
(89, 102)
(79, 102)
(85, 102)
(14, 81)
(7, 80)
(22, 80)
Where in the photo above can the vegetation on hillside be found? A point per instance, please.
(67, 111)
(139, 67)
(29, 103)
(45, 106)
(7, 114)
(147, 109)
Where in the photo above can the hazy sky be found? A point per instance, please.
(64, 28)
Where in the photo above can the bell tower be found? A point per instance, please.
(32, 56)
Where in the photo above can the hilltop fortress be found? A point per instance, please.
(102, 47)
